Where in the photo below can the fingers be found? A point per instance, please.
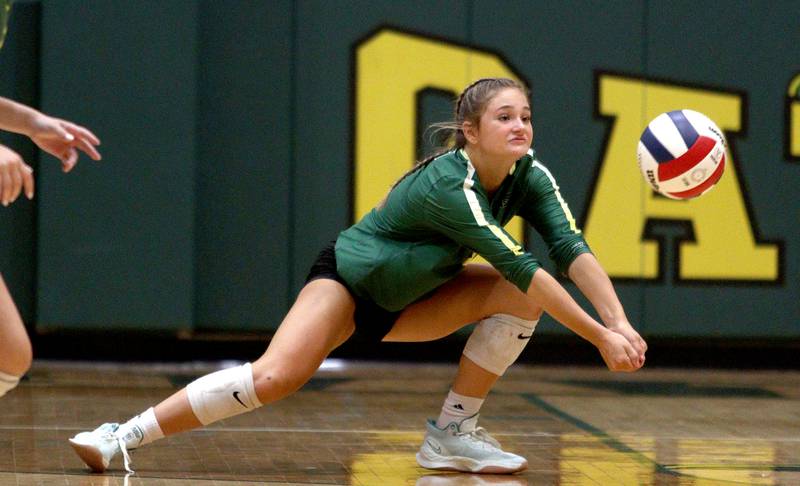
(85, 140)
(61, 138)
(81, 132)
(61, 132)
(16, 184)
(639, 345)
(635, 360)
(69, 159)
(622, 356)
(27, 181)
(627, 361)
(7, 186)
(15, 176)
(635, 352)
(88, 149)
(641, 348)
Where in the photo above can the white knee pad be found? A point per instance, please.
(223, 394)
(7, 383)
(497, 341)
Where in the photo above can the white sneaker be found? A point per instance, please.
(465, 447)
(98, 447)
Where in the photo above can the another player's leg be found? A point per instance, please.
(454, 441)
(320, 320)
(15, 347)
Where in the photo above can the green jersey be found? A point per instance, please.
(439, 215)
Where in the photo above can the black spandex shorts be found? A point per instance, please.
(373, 322)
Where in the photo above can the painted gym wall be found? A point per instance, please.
(241, 136)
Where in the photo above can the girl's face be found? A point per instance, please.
(504, 130)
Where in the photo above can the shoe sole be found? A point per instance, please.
(465, 464)
(90, 455)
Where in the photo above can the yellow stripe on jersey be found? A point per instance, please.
(515, 248)
(567, 213)
(477, 212)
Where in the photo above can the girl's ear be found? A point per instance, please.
(470, 132)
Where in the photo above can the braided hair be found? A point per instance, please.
(469, 106)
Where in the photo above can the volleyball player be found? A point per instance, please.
(399, 275)
(61, 139)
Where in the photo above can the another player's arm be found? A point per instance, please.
(16, 117)
(467, 220)
(60, 138)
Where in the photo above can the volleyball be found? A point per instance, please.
(681, 154)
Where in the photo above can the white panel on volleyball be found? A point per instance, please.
(700, 123)
(647, 162)
(667, 133)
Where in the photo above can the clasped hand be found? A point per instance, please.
(622, 348)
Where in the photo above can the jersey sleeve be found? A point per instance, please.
(461, 214)
(548, 213)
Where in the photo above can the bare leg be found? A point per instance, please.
(15, 347)
(472, 380)
(320, 320)
(477, 292)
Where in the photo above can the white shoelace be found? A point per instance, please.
(126, 458)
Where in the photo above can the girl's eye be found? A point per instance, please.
(504, 117)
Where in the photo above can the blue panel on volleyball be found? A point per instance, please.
(658, 151)
(684, 126)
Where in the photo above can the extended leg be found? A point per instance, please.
(320, 320)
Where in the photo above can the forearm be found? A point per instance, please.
(594, 283)
(16, 117)
(557, 302)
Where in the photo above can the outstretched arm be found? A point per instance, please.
(593, 281)
(617, 352)
(60, 138)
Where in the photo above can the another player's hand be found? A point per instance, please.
(15, 175)
(62, 139)
(625, 329)
(618, 353)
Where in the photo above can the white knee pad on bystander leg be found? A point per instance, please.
(7, 383)
(223, 394)
(497, 341)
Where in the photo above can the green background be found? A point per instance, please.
(228, 138)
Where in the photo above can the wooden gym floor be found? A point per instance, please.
(360, 423)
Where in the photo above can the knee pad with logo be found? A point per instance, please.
(223, 394)
(497, 341)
